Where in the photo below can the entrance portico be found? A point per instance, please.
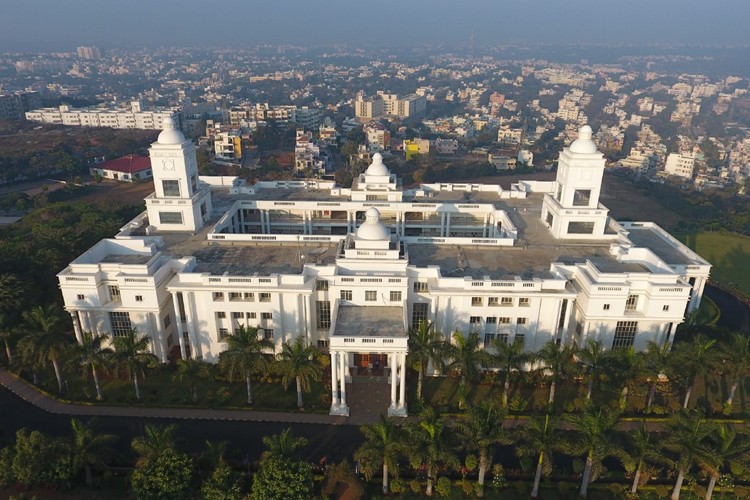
(368, 331)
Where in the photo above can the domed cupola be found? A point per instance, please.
(372, 229)
(584, 144)
(170, 134)
(377, 167)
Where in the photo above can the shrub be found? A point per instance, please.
(398, 486)
(443, 486)
(416, 486)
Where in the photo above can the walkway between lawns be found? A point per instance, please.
(30, 394)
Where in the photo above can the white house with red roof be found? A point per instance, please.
(130, 168)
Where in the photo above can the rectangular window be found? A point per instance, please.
(420, 286)
(346, 295)
(581, 197)
(492, 301)
(419, 313)
(324, 314)
(522, 321)
(624, 334)
(218, 296)
(170, 217)
(114, 293)
(223, 332)
(580, 228)
(606, 307)
(490, 320)
(395, 296)
(80, 296)
(321, 285)
(524, 302)
(520, 338)
(264, 297)
(171, 187)
(139, 298)
(665, 308)
(251, 315)
(268, 333)
(476, 301)
(249, 297)
(503, 321)
(371, 295)
(503, 337)
(322, 344)
(266, 316)
(506, 301)
(221, 314)
(475, 320)
(167, 320)
(488, 337)
(632, 303)
(120, 322)
(235, 296)
(238, 315)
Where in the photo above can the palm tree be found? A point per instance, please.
(11, 292)
(657, 360)
(693, 359)
(558, 361)
(596, 436)
(89, 354)
(425, 344)
(687, 436)
(191, 370)
(466, 355)
(132, 353)
(539, 438)
(213, 455)
(627, 366)
(736, 357)
(508, 357)
(592, 357)
(430, 444)
(88, 448)
(46, 341)
(727, 450)
(244, 355)
(9, 333)
(381, 449)
(156, 439)
(479, 431)
(642, 450)
(300, 363)
(283, 445)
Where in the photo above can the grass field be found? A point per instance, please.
(728, 253)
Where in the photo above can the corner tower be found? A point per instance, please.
(573, 211)
(179, 202)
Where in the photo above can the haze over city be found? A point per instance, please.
(58, 25)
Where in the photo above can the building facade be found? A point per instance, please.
(351, 270)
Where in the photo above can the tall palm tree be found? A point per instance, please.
(284, 445)
(88, 448)
(479, 430)
(539, 439)
(155, 439)
(736, 359)
(627, 366)
(191, 370)
(8, 332)
(425, 344)
(245, 355)
(465, 354)
(687, 436)
(592, 358)
(300, 363)
(558, 361)
(596, 437)
(694, 359)
(642, 449)
(90, 354)
(727, 451)
(132, 354)
(431, 445)
(658, 359)
(46, 339)
(508, 357)
(381, 449)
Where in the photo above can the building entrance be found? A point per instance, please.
(370, 364)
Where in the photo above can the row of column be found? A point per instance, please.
(397, 361)
(339, 363)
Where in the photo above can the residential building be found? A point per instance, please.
(14, 106)
(680, 164)
(130, 168)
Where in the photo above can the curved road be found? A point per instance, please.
(734, 313)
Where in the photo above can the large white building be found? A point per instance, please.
(352, 270)
(133, 117)
(680, 164)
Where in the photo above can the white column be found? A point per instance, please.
(402, 395)
(447, 224)
(241, 214)
(190, 320)
(393, 358)
(344, 355)
(91, 319)
(442, 224)
(484, 227)
(76, 326)
(178, 325)
(334, 379)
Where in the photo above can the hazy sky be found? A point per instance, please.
(63, 24)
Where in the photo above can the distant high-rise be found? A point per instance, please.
(89, 52)
(13, 106)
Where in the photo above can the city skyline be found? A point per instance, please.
(61, 26)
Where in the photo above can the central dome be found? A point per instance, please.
(170, 134)
(372, 229)
(377, 167)
(584, 144)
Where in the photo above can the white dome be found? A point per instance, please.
(584, 144)
(170, 134)
(372, 229)
(377, 167)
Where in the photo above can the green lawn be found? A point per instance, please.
(728, 253)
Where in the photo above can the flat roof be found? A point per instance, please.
(647, 237)
(263, 259)
(125, 259)
(370, 321)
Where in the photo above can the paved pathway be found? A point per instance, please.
(28, 393)
(368, 397)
